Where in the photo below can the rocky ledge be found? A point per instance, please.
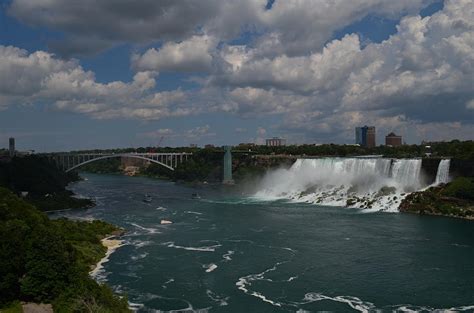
(455, 199)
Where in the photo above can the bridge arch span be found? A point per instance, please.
(119, 156)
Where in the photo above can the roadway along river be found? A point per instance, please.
(227, 253)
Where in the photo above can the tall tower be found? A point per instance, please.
(370, 143)
(228, 166)
(365, 136)
(358, 136)
(11, 146)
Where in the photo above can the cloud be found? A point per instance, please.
(191, 55)
(198, 132)
(41, 77)
(111, 22)
(298, 27)
(289, 66)
(470, 104)
(162, 132)
(422, 74)
(290, 27)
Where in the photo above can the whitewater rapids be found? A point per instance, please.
(373, 184)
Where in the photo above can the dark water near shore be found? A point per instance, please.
(230, 253)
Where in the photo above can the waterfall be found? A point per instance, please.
(370, 183)
(442, 175)
(407, 173)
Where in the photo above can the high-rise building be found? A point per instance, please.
(358, 135)
(365, 136)
(393, 140)
(11, 146)
(275, 142)
(370, 143)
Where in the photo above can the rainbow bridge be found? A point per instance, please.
(71, 161)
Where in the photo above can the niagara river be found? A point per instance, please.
(281, 248)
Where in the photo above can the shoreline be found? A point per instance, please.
(112, 245)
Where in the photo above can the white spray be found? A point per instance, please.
(369, 183)
(442, 176)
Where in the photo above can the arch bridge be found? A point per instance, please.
(71, 161)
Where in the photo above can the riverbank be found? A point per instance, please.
(111, 245)
(454, 199)
(48, 261)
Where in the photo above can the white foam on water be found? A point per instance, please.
(149, 230)
(212, 248)
(139, 256)
(243, 284)
(148, 297)
(169, 281)
(413, 308)
(354, 302)
(98, 273)
(227, 256)
(141, 244)
(222, 301)
(292, 278)
(135, 306)
(373, 184)
(365, 306)
(193, 212)
(161, 208)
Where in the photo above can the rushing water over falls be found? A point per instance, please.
(442, 176)
(227, 252)
(368, 183)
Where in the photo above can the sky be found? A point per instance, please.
(128, 73)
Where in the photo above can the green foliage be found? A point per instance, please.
(453, 199)
(58, 201)
(34, 174)
(44, 182)
(85, 238)
(106, 166)
(40, 259)
(14, 307)
(206, 164)
(461, 187)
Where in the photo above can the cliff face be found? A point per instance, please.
(461, 168)
(429, 167)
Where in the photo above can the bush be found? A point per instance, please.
(40, 260)
(461, 187)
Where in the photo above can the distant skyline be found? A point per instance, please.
(125, 73)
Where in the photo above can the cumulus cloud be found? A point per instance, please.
(109, 22)
(191, 55)
(198, 132)
(422, 75)
(295, 26)
(40, 77)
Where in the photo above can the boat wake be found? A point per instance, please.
(211, 248)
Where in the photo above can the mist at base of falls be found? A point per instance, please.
(376, 184)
